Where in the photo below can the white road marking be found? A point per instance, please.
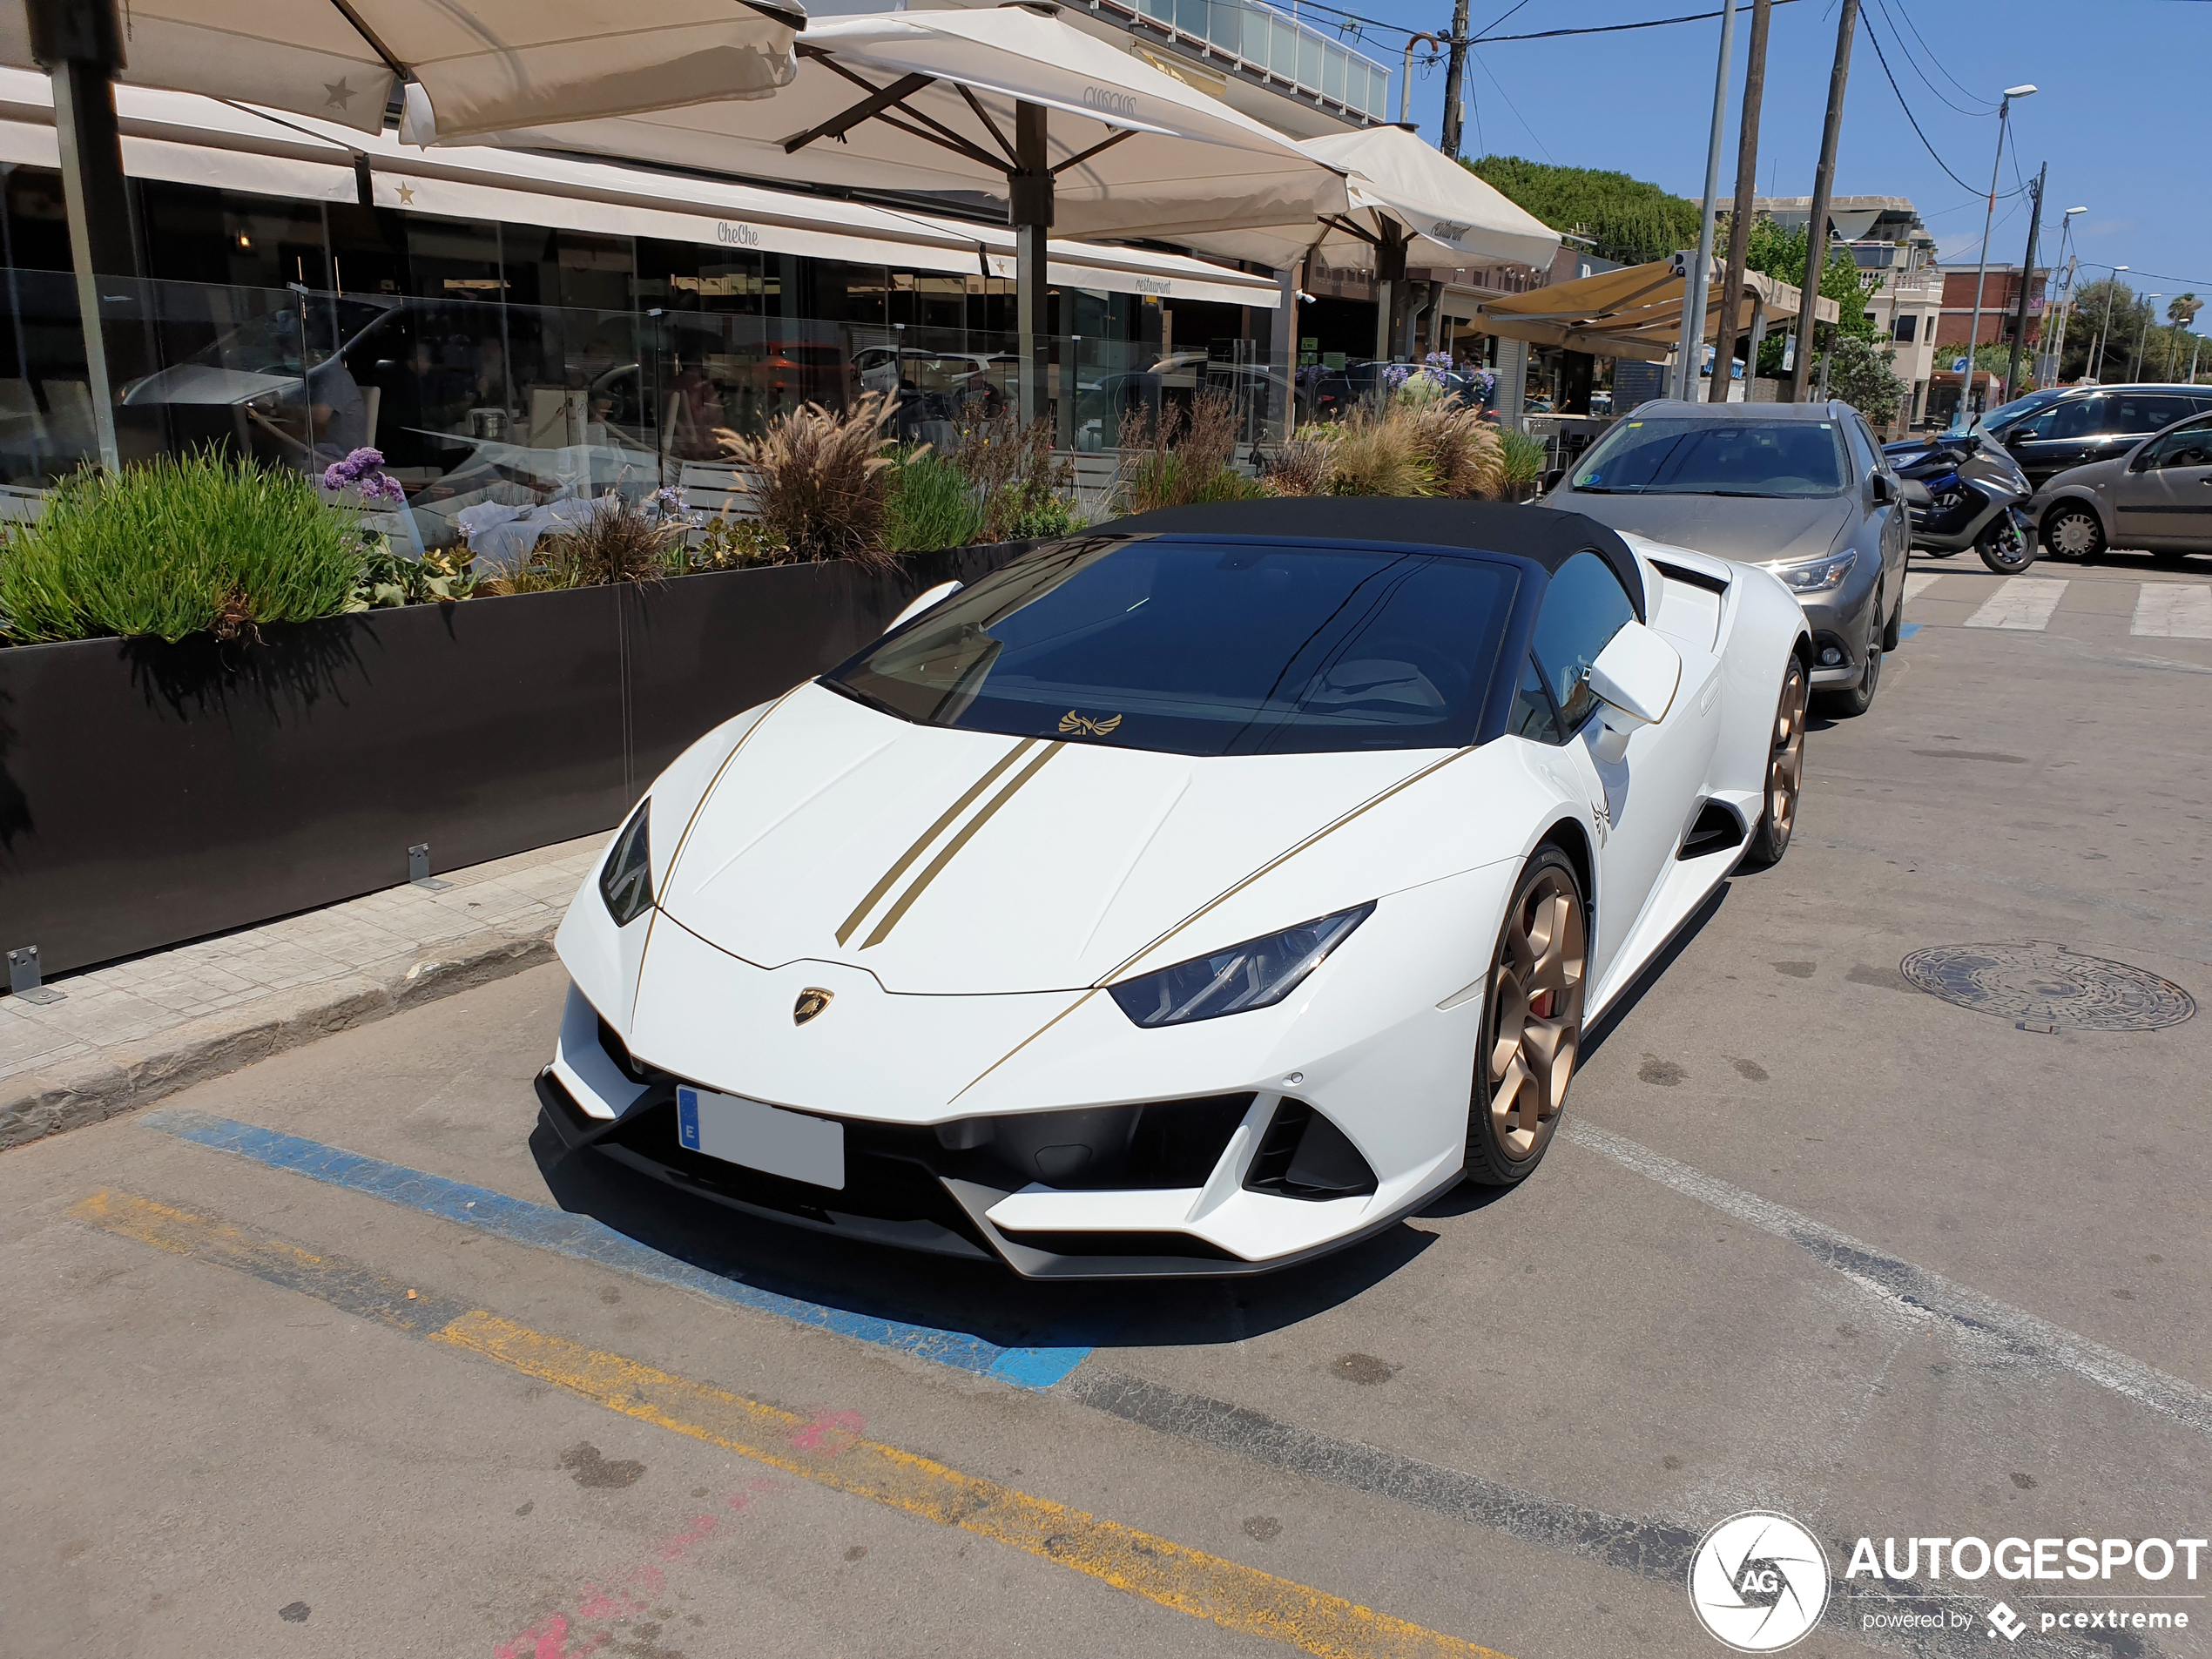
(1920, 580)
(1914, 1290)
(2174, 611)
(2023, 602)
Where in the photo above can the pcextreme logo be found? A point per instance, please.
(1758, 1582)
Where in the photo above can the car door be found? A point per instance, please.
(2064, 435)
(1640, 803)
(2164, 497)
(1891, 533)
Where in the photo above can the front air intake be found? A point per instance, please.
(1305, 1155)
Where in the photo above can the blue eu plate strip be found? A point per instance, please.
(687, 1117)
(582, 1238)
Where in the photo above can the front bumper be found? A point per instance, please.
(1839, 623)
(1241, 1182)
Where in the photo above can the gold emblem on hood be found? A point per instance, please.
(1083, 726)
(811, 1002)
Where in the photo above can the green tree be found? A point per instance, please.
(1628, 219)
(1859, 372)
(1781, 254)
(2131, 317)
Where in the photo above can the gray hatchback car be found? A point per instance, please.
(1801, 489)
(2157, 496)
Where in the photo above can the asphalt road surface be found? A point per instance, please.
(334, 1356)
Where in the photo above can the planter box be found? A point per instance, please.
(153, 793)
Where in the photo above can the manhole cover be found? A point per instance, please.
(2047, 987)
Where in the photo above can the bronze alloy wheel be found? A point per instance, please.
(1532, 1027)
(1786, 767)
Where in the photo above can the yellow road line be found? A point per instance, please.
(1233, 1597)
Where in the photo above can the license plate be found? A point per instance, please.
(761, 1136)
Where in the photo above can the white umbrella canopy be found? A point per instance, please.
(484, 63)
(926, 101)
(1401, 190)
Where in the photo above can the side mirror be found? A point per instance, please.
(924, 601)
(1634, 678)
(1550, 480)
(1883, 493)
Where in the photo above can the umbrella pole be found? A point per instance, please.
(1028, 208)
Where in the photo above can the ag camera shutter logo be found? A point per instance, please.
(1758, 1582)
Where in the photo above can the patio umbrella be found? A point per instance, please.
(1635, 312)
(1069, 131)
(484, 63)
(1409, 204)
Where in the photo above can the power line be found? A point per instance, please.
(1510, 104)
(1913, 64)
(1611, 28)
(1937, 58)
(1882, 58)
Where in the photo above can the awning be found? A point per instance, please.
(1399, 185)
(482, 63)
(925, 101)
(186, 139)
(1635, 312)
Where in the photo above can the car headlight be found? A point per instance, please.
(1816, 575)
(626, 881)
(1256, 974)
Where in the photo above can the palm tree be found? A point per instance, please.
(2180, 311)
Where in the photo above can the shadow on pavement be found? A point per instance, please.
(981, 1298)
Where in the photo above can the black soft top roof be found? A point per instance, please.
(1540, 534)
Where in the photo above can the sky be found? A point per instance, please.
(2118, 114)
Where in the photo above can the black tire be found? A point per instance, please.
(1853, 701)
(1893, 630)
(2005, 548)
(1540, 940)
(2071, 530)
(1786, 770)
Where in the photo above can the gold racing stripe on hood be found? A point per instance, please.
(935, 867)
(922, 842)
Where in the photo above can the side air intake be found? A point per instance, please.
(1715, 829)
(1305, 1155)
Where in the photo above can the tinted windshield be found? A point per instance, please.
(2004, 413)
(1658, 456)
(1205, 649)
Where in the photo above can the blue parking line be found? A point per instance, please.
(584, 1239)
(1906, 631)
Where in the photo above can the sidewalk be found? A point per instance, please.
(122, 1037)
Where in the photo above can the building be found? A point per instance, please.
(2000, 295)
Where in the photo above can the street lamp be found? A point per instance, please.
(2066, 300)
(1974, 329)
(2104, 328)
(2136, 367)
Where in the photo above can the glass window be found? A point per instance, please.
(1533, 716)
(1584, 606)
(1191, 648)
(1663, 456)
(1907, 327)
(2127, 412)
(1862, 448)
(2191, 446)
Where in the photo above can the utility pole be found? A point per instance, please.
(1455, 79)
(2150, 319)
(2027, 271)
(1739, 222)
(1982, 272)
(1824, 182)
(2104, 328)
(1697, 281)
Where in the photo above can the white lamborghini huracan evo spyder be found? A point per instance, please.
(1189, 897)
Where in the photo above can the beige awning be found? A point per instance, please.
(482, 63)
(1635, 312)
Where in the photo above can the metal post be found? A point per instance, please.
(1700, 276)
(2104, 328)
(1739, 219)
(1405, 82)
(1824, 182)
(1981, 272)
(2027, 271)
(1028, 208)
(1389, 291)
(2135, 363)
(80, 43)
(1759, 339)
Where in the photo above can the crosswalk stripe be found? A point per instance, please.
(1919, 581)
(2174, 611)
(2022, 602)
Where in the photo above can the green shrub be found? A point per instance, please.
(175, 546)
(932, 505)
(1523, 463)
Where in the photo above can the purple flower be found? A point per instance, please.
(382, 487)
(668, 502)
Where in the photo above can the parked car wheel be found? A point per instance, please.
(1532, 1024)
(2071, 532)
(1785, 769)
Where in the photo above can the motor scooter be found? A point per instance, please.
(1963, 491)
